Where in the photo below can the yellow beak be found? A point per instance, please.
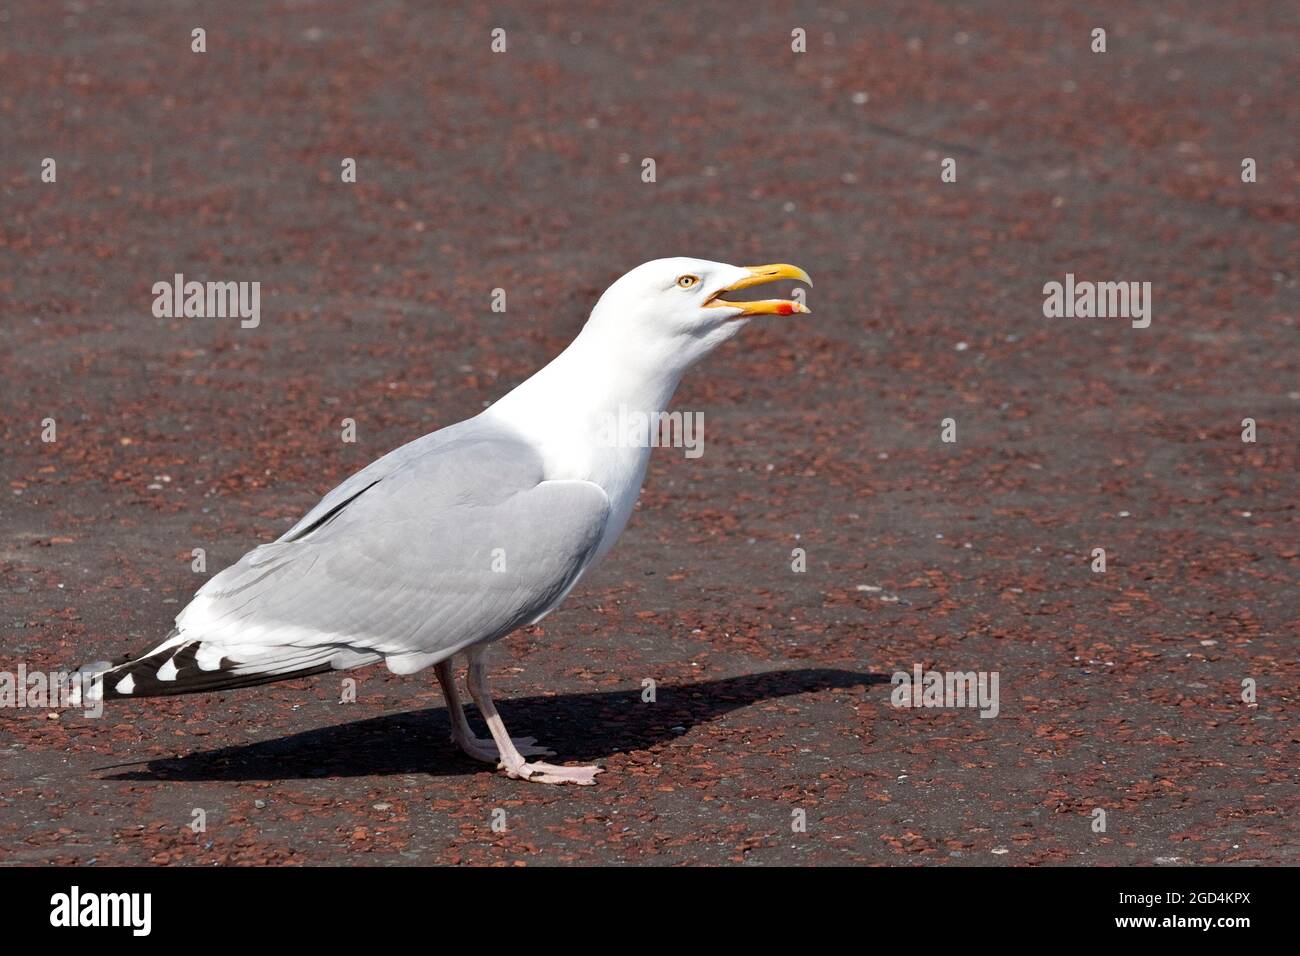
(760, 275)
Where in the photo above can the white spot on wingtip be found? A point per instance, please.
(126, 685)
(167, 671)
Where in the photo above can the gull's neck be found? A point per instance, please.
(565, 408)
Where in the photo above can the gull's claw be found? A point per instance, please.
(553, 773)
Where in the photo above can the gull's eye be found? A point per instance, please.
(686, 281)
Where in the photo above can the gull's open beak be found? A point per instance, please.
(760, 275)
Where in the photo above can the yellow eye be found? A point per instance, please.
(685, 282)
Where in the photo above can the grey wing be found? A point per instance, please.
(339, 496)
(458, 545)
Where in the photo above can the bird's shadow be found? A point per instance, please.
(576, 726)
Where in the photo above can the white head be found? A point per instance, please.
(671, 313)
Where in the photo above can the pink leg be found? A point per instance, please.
(511, 759)
(463, 735)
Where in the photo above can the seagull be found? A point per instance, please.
(456, 539)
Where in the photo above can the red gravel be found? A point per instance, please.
(1119, 691)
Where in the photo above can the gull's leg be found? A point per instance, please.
(511, 759)
(461, 733)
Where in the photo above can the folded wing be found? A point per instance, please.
(453, 543)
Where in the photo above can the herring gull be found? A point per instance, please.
(455, 539)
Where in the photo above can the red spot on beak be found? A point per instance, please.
(785, 308)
